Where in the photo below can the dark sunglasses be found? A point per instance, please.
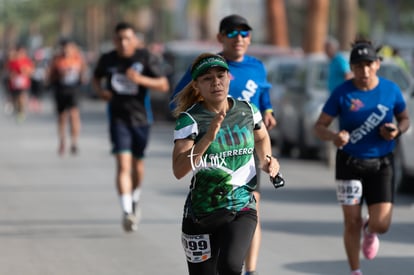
(234, 33)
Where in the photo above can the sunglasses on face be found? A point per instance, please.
(235, 33)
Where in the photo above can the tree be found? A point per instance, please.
(94, 27)
(277, 27)
(346, 32)
(316, 26)
(199, 16)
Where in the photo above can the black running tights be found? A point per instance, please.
(229, 244)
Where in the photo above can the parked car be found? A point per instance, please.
(281, 70)
(300, 103)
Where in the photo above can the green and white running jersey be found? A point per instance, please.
(226, 175)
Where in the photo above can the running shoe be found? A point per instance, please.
(356, 272)
(129, 222)
(74, 149)
(8, 108)
(20, 118)
(61, 149)
(136, 209)
(370, 244)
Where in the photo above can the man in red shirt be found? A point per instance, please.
(19, 68)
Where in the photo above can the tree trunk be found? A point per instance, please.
(277, 23)
(316, 26)
(112, 17)
(94, 27)
(10, 37)
(347, 14)
(66, 22)
(204, 19)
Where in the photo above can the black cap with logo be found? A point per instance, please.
(363, 52)
(233, 21)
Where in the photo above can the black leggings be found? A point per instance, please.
(229, 244)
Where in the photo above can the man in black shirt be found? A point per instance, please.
(129, 72)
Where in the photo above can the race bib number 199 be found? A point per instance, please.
(349, 192)
(197, 247)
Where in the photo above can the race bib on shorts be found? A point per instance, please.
(349, 192)
(197, 248)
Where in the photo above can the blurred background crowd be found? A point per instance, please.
(301, 25)
(284, 34)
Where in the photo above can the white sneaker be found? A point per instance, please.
(129, 222)
(8, 108)
(136, 208)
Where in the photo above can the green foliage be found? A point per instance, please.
(363, 24)
(133, 4)
(45, 14)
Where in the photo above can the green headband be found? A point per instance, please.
(206, 63)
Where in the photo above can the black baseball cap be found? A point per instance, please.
(233, 21)
(363, 52)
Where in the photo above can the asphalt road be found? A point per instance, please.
(61, 215)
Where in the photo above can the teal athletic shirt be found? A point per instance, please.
(226, 175)
(361, 113)
(338, 68)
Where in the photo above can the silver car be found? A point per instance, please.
(298, 104)
(300, 101)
